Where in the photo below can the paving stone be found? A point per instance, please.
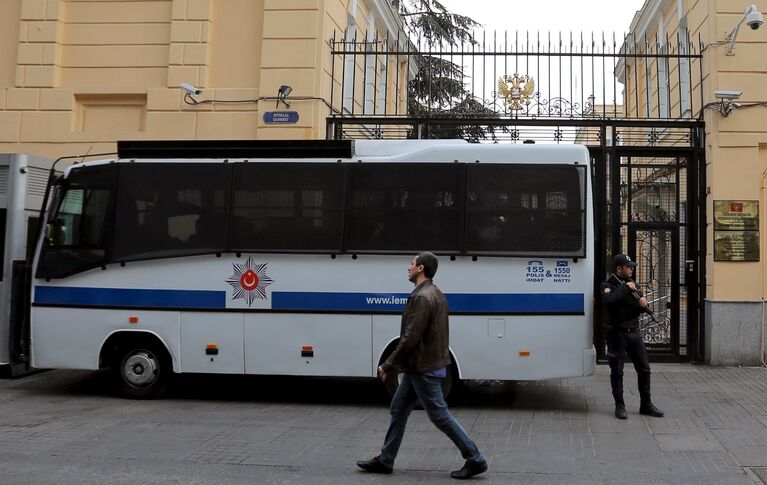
(688, 442)
(66, 427)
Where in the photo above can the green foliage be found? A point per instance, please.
(431, 20)
(438, 89)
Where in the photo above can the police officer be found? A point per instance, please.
(622, 303)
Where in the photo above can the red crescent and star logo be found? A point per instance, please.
(249, 281)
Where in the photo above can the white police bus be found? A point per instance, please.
(290, 258)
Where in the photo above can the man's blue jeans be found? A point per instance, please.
(429, 390)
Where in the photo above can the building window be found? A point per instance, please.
(648, 88)
(350, 59)
(662, 49)
(381, 88)
(371, 68)
(684, 67)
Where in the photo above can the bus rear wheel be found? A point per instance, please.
(141, 370)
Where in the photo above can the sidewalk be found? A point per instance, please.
(65, 427)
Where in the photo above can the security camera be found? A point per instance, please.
(189, 89)
(754, 19)
(727, 95)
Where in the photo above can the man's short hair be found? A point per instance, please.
(429, 262)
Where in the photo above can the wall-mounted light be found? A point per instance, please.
(752, 17)
(282, 95)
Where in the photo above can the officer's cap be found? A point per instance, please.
(623, 260)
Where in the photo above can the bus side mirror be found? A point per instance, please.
(53, 231)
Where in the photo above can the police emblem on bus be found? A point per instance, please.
(249, 281)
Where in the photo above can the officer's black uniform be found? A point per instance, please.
(621, 311)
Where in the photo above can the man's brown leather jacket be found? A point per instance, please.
(424, 332)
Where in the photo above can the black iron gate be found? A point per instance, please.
(654, 213)
(649, 203)
(647, 150)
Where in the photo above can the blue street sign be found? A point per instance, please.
(281, 117)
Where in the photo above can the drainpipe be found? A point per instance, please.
(763, 195)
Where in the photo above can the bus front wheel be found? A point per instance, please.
(141, 370)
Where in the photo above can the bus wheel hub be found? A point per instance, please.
(140, 368)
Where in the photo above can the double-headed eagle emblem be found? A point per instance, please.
(517, 90)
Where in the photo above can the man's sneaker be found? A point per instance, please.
(470, 468)
(651, 410)
(374, 465)
(620, 411)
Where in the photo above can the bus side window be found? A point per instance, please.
(396, 207)
(287, 207)
(524, 209)
(167, 212)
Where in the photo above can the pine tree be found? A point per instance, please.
(438, 89)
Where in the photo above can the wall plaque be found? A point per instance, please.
(736, 215)
(736, 245)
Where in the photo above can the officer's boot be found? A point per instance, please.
(648, 408)
(620, 409)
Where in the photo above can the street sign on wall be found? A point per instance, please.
(280, 117)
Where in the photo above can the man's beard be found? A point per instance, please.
(411, 278)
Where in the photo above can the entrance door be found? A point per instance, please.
(655, 226)
(656, 251)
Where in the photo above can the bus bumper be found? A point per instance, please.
(589, 361)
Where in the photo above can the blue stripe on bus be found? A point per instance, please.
(529, 303)
(544, 303)
(62, 295)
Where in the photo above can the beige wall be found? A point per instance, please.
(9, 34)
(77, 75)
(735, 145)
(236, 43)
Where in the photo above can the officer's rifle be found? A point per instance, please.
(636, 296)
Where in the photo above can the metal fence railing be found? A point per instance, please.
(517, 75)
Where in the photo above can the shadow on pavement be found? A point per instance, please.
(321, 390)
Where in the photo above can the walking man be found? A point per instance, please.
(423, 357)
(622, 304)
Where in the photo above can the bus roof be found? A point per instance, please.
(390, 151)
